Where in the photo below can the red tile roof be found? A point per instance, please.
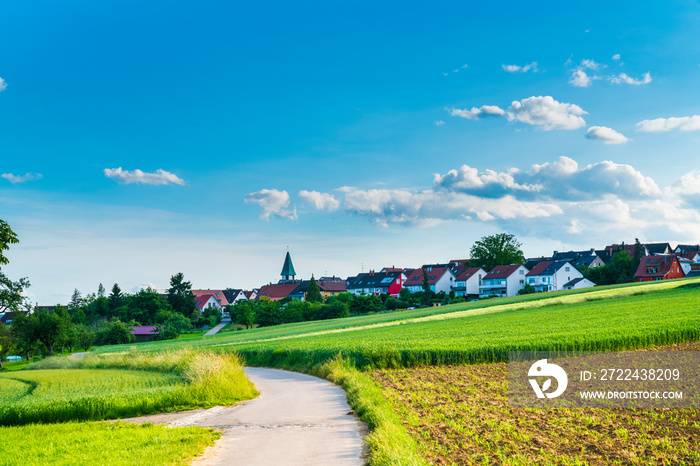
(278, 291)
(221, 297)
(502, 271)
(464, 273)
(202, 300)
(332, 286)
(539, 268)
(416, 277)
(663, 265)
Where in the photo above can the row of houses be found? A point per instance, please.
(560, 271)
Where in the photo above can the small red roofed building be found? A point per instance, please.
(662, 267)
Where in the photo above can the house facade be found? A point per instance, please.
(661, 267)
(578, 283)
(552, 275)
(468, 280)
(377, 283)
(503, 280)
(439, 279)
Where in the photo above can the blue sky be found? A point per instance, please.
(361, 134)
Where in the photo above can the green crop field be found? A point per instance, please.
(486, 335)
(268, 337)
(103, 387)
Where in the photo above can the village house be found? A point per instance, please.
(468, 280)
(554, 276)
(578, 283)
(587, 259)
(439, 279)
(232, 295)
(503, 280)
(661, 267)
(143, 333)
(377, 283)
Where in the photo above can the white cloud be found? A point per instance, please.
(579, 78)
(521, 69)
(272, 202)
(21, 178)
(687, 189)
(439, 123)
(3, 85)
(590, 64)
(616, 57)
(689, 123)
(158, 178)
(476, 112)
(322, 201)
(561, 180)
(624, 78)
(606, 135)
(546, 113)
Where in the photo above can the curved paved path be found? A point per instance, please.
(296, 420)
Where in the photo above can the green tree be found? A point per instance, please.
(76, 300)
(180, 296)
(48, 328)
(84, 337)
(498, 249)
(7, 237)
(115, 333)
(116, 298)
(313, 293)
(638, 254)
(267, 312)
(11, 298)
(7, 343)
(427, 298)
(242, 312)
(101, 291)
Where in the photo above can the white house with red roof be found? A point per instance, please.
(555, 276)
(439, 279)
(503, 280)
(468, 280)
(207, 300)
(219, 295)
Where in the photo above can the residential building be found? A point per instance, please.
(503, 280)
(277, 291)
(207, 300)
(468, 280)
(232, 295)
(659, 267)
(377, 283)
(577, 283)
(552, 276)
(439, 279)
(144, 333)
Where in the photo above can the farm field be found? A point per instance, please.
(312, 330)
(103, 443)
(103, 387)
(460, 415)
(660, 318)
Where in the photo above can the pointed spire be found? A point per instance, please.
(288, 272)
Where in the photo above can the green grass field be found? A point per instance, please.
(102, 443)
(104, 387)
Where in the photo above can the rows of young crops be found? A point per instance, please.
(636, 321)
(392, 318)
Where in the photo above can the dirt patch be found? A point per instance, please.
(460, 415)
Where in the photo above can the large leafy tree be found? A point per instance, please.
(180, 295)
(7, 237)
(498, 249)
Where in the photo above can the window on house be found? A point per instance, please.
(522, 271)
(567, 269)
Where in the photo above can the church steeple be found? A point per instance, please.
(288, 272)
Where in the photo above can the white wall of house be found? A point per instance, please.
(444, 283)
(472, 283)
(211, 302)
(686, 265)
(509, 286)
(555, 282)
(585, 283)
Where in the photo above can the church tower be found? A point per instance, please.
(288, 272)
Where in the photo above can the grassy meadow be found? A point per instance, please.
(104, 387)
(103, 443)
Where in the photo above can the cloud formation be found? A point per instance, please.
(580, 78)
(521, 69)
(623, 78)
(616, 57)
(546, 113)
(21, 178)
(689, 123)
(606, 135)
(272, 202)
(476, 112)
(158, 178)
(3, 85)
(322, 201)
